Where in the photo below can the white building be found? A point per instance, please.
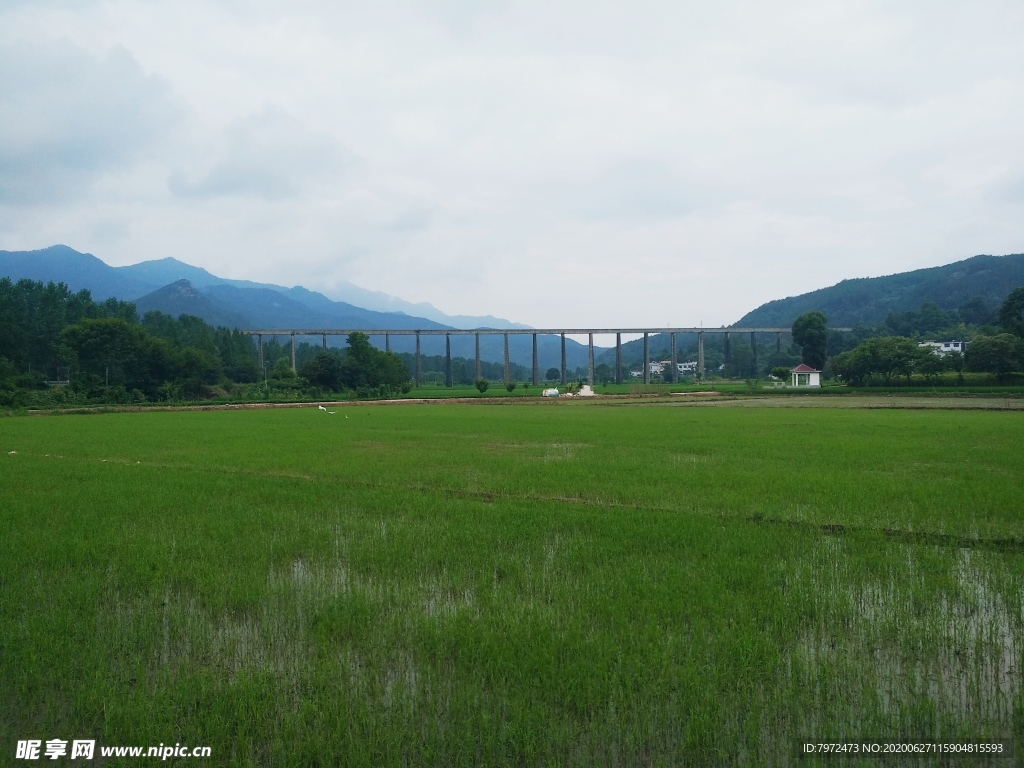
(687, 368)
(805, 376)
(942, 348)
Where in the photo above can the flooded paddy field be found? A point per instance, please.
(515, 584)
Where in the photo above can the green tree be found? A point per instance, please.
(1011, 313)
(511, 386)
(238, 355)
(369, 369)
(811, 333)
(933, 319)
(929, 363)
(851, 367)
(282, 369)
(895, 356)
(781, 372)
(482, 385)
(324, 370)
(553, 374)
(117, 352)
(885, 355)
(1002, 355)
(976, 311)
(954, 361)
(33, 315)
(7, 369)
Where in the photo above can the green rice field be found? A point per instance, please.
(562, 584)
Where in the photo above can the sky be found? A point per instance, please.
(560, 164)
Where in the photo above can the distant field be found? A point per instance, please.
(524, 584)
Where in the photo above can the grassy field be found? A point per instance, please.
(511, 584)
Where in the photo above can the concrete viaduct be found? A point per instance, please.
(535, 332)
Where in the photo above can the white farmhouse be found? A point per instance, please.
(805, 376)
(943, 348)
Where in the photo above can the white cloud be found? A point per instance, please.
(68, 118)
(270, 156)
(553, 163)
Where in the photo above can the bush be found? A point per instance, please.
(1002, 355)
(482, 385)
(511, 386)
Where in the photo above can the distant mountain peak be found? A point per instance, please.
(182, 288)
(183, 298)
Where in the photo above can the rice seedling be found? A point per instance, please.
(466, 585)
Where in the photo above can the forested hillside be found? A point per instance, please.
(59, 347)
(173, 287)
(871, 300)
(103, 352)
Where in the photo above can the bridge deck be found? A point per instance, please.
(535, 332)
(502, 331)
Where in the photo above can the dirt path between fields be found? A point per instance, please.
(677, 399)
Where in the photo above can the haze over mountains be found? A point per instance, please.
(60, 263)
(160, 272)
(174, 287)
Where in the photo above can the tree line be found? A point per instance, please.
(102, 352)
(891, 350)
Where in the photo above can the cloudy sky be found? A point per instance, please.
(556, 163)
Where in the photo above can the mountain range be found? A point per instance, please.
(174, 287)
(871, 299)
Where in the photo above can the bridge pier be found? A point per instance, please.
(618, 358)
(590, 371)
(590, 360)
(447, 360)
(536, 363)
(563, 360)
(647, 360)
(674, 375)
(507, 374)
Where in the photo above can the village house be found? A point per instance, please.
(805, 376)
(943, 348)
